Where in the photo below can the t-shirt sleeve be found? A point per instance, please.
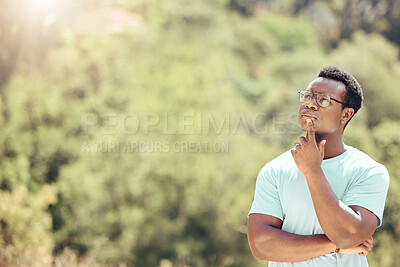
(370, 191)
(266, 196)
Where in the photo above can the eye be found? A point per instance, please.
(324, 101)
(308, 95)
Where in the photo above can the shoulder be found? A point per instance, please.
(282, 163)
(360, 158)
(364, 163)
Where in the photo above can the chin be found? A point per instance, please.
(317, 131)
(303, 125)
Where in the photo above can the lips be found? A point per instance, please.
(308, 116)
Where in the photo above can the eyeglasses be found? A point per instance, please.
(323, 100)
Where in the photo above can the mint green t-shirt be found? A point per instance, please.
(282, 192)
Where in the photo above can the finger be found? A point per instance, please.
(363, 251)
(303, 140)
(370, 241)
(310, 131)
(321, 147)
(366, 248)
(367, 245)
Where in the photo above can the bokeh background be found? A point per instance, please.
(132, 131)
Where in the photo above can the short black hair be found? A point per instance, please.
(354, 94)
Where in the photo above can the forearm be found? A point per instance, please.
(274, 244)
(339, 222)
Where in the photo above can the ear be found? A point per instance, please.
(346, 115)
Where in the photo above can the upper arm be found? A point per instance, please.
(369, 193)
(266, 196)
(258, 229)
(368, 221)
(258, 221)
(266, 214)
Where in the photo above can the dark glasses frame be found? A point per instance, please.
(303, 92)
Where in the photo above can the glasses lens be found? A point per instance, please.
(305, 95)
(323, 100)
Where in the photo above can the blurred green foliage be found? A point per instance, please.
(74, 192)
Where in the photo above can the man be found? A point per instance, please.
(320, 203)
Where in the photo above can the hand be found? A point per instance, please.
(363, 249)
(307, 154)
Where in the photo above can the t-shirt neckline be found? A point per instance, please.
(340, 157)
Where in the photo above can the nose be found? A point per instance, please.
(312, 104)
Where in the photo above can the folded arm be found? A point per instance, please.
(268, 242)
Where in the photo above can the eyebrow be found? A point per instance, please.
(332, 98)
(321, 93)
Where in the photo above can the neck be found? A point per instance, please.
(334, 145)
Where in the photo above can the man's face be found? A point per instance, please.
(326, 120)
